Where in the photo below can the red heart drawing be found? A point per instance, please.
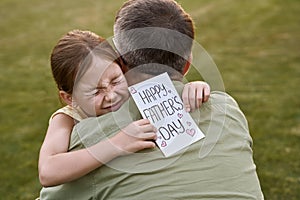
(189, 123)
(132, 90)
(191, 132)
(179, 115)
(163, 144)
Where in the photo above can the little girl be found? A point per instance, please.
(76, 61)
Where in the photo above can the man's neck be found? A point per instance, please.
(136, 77)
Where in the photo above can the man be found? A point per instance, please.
(155, 36)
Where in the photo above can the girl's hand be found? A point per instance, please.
(136, 136)
(194, 94)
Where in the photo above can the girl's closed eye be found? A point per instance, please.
(117, 80)
(94, 92)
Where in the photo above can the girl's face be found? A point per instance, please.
(102, 89)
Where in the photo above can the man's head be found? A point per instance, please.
(154, 31)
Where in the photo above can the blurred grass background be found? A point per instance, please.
(255, 44)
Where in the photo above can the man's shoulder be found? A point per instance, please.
(219, 97)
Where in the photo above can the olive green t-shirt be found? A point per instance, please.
(220, 166)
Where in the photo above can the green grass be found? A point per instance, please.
(255, 44)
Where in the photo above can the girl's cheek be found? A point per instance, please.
(88, 103)
(98, 99)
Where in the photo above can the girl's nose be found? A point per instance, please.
(110, 95)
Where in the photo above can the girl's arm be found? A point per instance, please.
(58, 166)
(194, 94)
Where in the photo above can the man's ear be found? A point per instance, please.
(187, 65)
(66, 97)
(123, 65)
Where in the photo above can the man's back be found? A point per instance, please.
(217, 167)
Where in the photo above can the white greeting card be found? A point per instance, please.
(158, 101)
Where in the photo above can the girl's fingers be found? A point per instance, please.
(185, 98)
(192, 97)
(199, 98)
(148, 144)
(148, 128)
(142, 122)
(206, 93)
(148, 136)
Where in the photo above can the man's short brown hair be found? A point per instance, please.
(154, 31)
